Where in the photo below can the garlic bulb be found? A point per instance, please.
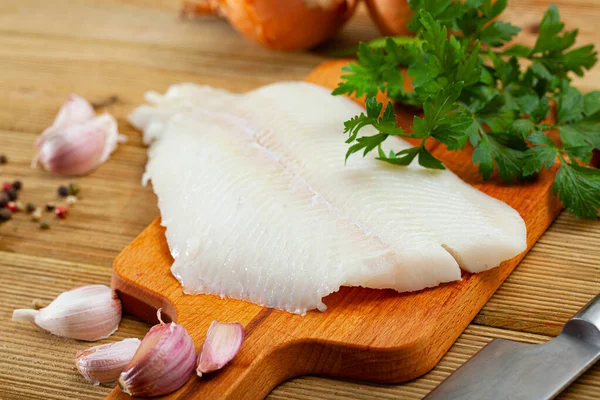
(86, 313)
(104, 363)
(162, 364)
(222, 343)
(78, 141)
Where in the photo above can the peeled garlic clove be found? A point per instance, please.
(222, 343)
(163, 363)
(86, 313)
(104, 363)
(77, 142)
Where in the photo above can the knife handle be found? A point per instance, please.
(586, 323)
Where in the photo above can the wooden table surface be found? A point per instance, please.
(105, 48)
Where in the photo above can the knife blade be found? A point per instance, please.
(504, 369)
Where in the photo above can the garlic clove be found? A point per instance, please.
(77, 142)
(104, 363)
(76, 151)
(162, 364)
(74, 111)
(86, 313)
(222, 343)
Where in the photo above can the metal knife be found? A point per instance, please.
(504, 369)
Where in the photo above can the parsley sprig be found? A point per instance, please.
(473, 88)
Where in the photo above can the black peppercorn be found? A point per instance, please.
(50, 207)
(3, 199)
(11, 193)
(17, 185)
(62, 191)
(3, 159)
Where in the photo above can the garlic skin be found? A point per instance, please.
(78, 141)
(86, 313)
(222, 343)
(75, 110)
(162, 364)
(104, 363)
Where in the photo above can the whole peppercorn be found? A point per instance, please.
(17, 185)
(44, 225)
(62, 191)
(50, 206)
(70, 200)
(30, 207)
(3, 199)
(61, 212)
(74, 189)
(6, 186)
(5, 214)
(3, 159)
(11, 193)
(36, 215)
(12, 206)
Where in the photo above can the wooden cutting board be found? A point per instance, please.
(365, 334)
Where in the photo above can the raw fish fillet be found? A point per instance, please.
(259, 205)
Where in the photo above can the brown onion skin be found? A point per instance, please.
(286, 25)
(391, 16)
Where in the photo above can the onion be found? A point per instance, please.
(390, 16)
(281, 24)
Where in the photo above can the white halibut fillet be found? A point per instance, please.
(259, 205)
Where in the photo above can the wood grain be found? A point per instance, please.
(49, 49)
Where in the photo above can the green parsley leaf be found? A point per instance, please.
(569, 105)
(517, 50)
(522, 127)
(376, 71)
(591, 103)
(581, 133)
(366, 143)
(427, 160)
(538, 158)
(498, 32)
(442, 120)
(490, 152)
(543, 155)
(548, 38)
(579, 59)
(385, 124)
(404, 157)
(579, 189)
